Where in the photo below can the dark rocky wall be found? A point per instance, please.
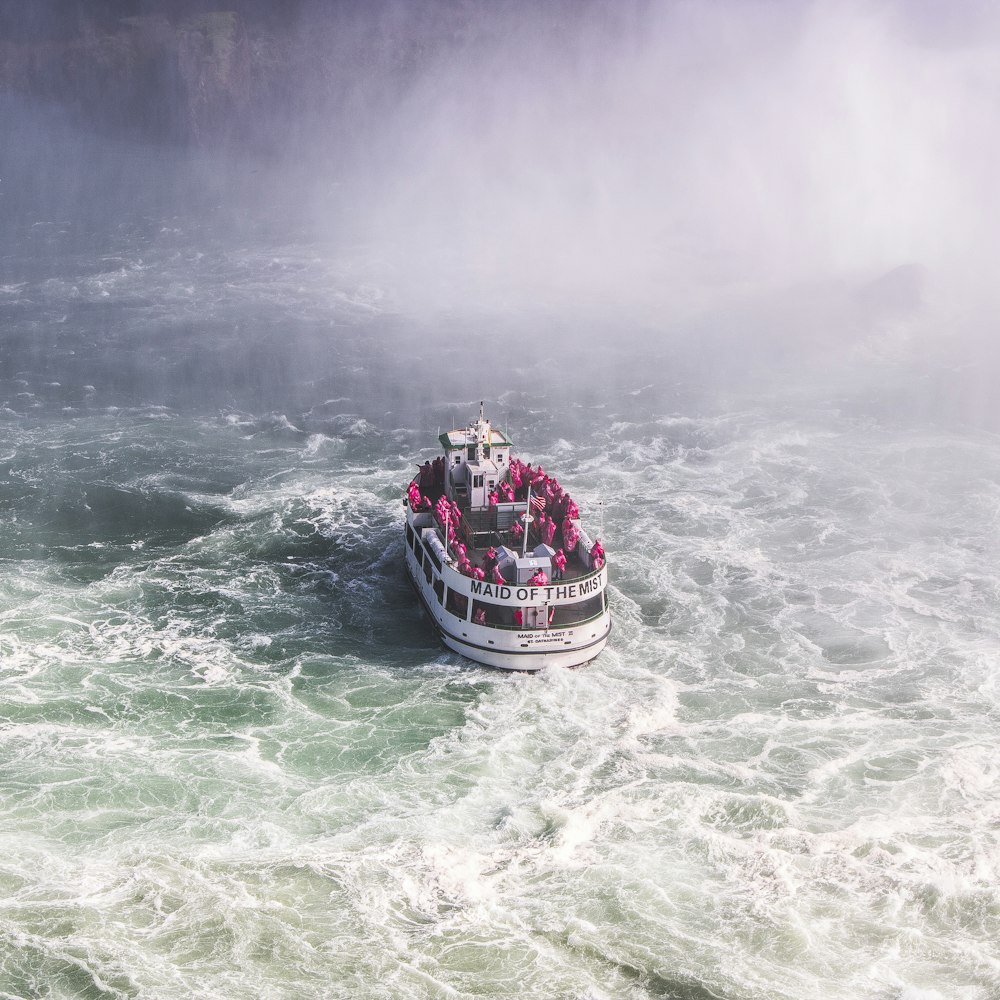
(178, 72)
(214, 73)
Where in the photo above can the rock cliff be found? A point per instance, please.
(187, 72)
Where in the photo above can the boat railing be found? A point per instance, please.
(485, 526)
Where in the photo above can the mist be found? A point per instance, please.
(668, 160)
(809, 179)
(731, 183)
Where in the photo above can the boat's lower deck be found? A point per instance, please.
(520, 648)
(519, 623)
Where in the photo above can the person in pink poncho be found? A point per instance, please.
(548, 530)
(559, 565)
(571, 535)
(597, 554)
(490, 559)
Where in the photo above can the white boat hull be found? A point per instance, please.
(521, 649)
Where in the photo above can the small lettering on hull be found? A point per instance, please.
(540, 638)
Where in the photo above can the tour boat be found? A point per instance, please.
(496, 552)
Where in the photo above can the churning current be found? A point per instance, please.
(235, 762)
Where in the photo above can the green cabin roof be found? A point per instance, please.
(453, 440)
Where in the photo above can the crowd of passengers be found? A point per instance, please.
(553, 511)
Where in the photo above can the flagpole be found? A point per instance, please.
(527, 522)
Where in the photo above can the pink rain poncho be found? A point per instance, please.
(597, 555)
(559, 564)
(548, 530)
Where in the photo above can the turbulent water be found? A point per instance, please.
(236, 764)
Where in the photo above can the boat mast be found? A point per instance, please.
(527, 522)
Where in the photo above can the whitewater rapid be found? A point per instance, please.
(236, 764)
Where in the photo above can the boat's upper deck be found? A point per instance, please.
(498, 544)
(499, 518)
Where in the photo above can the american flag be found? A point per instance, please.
(538, 503)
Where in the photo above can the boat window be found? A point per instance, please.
(472, 452)
(458, 458)
(457, 604)
(409, 536)
(493, 614)
(439, 590)
(477, 480)
(571, 614)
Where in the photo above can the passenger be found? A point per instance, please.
(498, 577)
(426, 478)
(559, 565)
(494, 498)
(517, 530)
(518, 617)
(597, 554)
(479, 616)
(477, 573)
(547, 528)
(490, 559)
(539, 579)
(571, 535)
